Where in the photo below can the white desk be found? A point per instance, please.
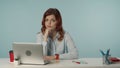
(91, 63)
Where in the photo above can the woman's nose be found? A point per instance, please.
(49, 22)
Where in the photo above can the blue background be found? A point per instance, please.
(93, 24)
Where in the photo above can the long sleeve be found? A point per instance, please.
(40, 39)
(70, 48)
(46, 44)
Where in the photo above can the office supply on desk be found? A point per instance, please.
(115, 59)
(79, 61)
(106, 57)
(11, 56)
(76, 62)
(29, 53)
(83, 62)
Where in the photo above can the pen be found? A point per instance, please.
(102, 52)
(108, 52)
(76, 62)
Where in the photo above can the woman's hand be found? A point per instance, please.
(47, 31)
(49, 57)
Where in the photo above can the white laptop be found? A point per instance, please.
(29, 53)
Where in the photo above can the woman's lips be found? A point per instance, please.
(49, 26)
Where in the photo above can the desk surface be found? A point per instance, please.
(85, 63)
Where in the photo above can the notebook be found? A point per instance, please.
(29, 53)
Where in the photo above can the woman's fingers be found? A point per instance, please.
(48, 57)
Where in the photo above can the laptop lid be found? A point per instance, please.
(29, 53)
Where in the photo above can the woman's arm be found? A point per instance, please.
(70, 48)
(40, 39)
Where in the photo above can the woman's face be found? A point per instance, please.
(50, 22)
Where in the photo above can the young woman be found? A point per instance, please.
(58, 42)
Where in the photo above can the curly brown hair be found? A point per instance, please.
(59, 28)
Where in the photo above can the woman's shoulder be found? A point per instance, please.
(67, 36)
(39, 33)
(66, 33)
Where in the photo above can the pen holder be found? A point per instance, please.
(106, 59)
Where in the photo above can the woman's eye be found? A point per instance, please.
(53, 20)
(46, 19)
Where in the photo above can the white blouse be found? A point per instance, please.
(65, 48)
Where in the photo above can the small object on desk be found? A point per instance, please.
(57, 58)
(17, 61)
(80, 61)
(11, 56)
(83, 62)
(106, 57)
(76, 62)
(114, 59)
